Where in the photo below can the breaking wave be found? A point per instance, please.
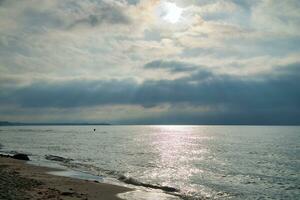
(58, 158)
(68, 162)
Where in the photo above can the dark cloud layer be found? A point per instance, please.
(272, 98)
(171, 66)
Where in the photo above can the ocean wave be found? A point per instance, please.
(121, 177)
(128, 180)
(9, 152)
(58, 158)
(87, 168)
(34, 130)
(135, 182)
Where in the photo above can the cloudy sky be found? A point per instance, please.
(150, 61)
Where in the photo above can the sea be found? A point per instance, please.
(169, 162)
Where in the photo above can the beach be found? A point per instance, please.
(19, 180)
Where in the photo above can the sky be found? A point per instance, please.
(150, 61)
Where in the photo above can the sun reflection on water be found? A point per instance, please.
(177, 151)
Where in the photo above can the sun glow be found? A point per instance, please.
(172, 13)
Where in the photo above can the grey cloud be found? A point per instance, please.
(171, 66)
(35, 19)
(273, 98)
(104, 13)
(245, 4)
(66, 14)
(94, 20)
(243, 47)
(73, 94)
(133, 2)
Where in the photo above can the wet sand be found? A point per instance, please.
(19, 181)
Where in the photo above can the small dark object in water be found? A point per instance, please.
(94, 129)
(20, 156)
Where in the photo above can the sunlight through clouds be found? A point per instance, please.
(191, 46)
(172, 13)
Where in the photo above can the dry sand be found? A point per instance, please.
(19, 181)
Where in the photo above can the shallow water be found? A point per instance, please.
(214, 162)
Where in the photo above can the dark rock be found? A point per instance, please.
(20, 156)
(5, 156)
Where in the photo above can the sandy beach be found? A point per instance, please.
(19, 181)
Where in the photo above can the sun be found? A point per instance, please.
(171, 12)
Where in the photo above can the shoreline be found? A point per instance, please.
(21, 180)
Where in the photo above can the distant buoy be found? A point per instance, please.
(94, 129)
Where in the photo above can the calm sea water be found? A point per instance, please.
(202, 162)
